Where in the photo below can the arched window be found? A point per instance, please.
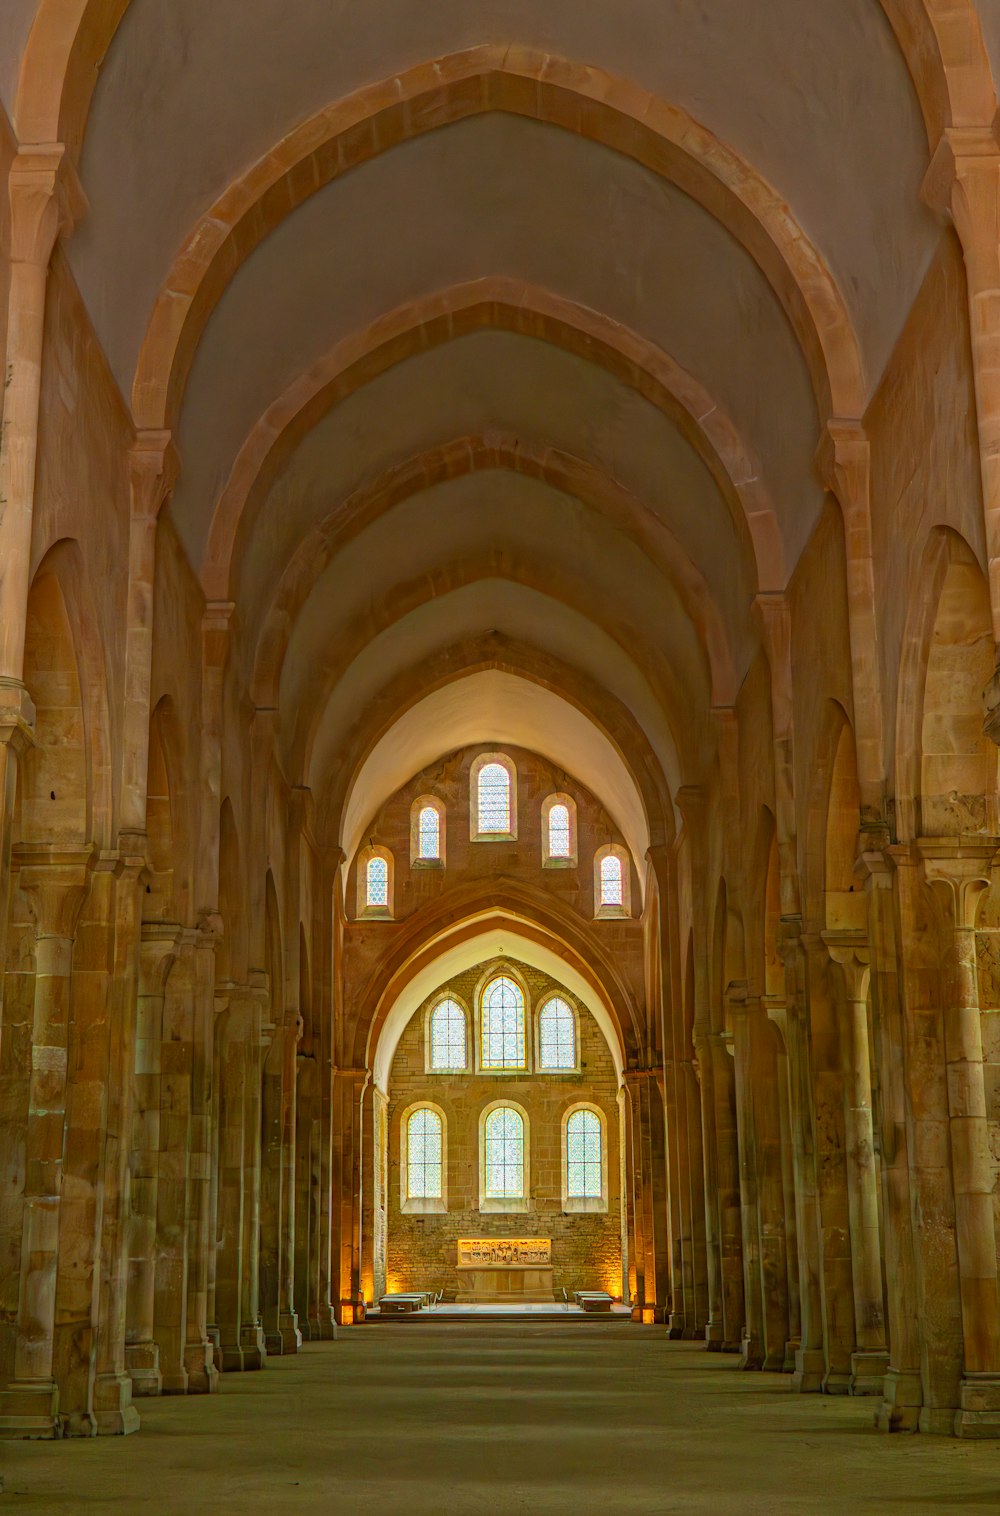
(612, 890)
(427, 832)
(556, 1035)
(585, 1167)
(423, 1169)
(375, 872)
(559, 832)
(492, 798)
(501, 1014)
(423, 1154)
(447, 1036)
(376, 883)
(504, 1154)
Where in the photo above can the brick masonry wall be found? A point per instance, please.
(586, 1248)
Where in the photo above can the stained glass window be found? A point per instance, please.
(502, 1015)
(448, 1036)
(377, 882)
(612, 892)
(559, 839)
(494, 798)
(556, 1036)
(583, 1156)
(504, 1154)
(423, 1155)
(429, 833)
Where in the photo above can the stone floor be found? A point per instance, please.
(503, 1419)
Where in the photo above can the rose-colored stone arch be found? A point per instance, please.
(458, 459)
(494, 652)
(472, 911)
(584, 99)
(942, 42)
(506, 305)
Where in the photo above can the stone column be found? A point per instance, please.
(728, 1194)
(958, 869)
(142, 1352)
(55, 886)
(45, 198)
(199, 1350)
(752, 1345)
(901, 1386)
(870, 1360)
(810, 1360)
(706, 1086)
(777, 1015)
(348, 1089)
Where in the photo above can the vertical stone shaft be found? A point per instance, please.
(870, 1360)
(55, 890)
(706, 1069)
(199, 1352)
(752, 1345)
(142, 1354)
(728, 1196)
(959, 871)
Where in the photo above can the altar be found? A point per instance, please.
(504, 1270)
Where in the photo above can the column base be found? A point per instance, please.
(837, 1382)
(323, 1328)
(175, 1382)
(675, 1327)
(937, 1421)
(30, 1409)
(202, 1375)
(751, 1352)
(791, 1348)
(215, 1338)
(807, 1375)
(79, 1424)
(713, 1337)
(978, 1413)
(114, 1413)
(291, 1337)
(253, 1347)
(774, 1362)
(902, 1397)
(868, 1370)
(142, 1361)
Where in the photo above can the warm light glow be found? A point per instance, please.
(648, 1315)
(347, 1315)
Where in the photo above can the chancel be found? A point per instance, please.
(499, 723)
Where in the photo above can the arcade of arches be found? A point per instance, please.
(499, 694)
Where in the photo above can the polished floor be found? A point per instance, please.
(505, 1419)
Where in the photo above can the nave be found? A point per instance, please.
(499, 1421)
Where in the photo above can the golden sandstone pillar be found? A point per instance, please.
(870, 1359)
(55, 887)
(728, 1194)
(142, 1353)
(752, 1345)
(959, 872)
(706, 1087)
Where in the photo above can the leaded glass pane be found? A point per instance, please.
(583, 1156)
(559, 832)
(494, 798)
(611, 880)
(423, 1155)
(429, 833)
(448, 1036)
(377, 877)
(502, 1015)
(557, 1036)
(504, 1155)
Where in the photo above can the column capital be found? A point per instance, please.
(962, 164)
(153, 468)
(17, 715)
(55, 885)
(158, 943)
(851, 951)
(960, 868)
(46, 201)
(843, 461)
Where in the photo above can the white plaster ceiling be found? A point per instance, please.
(16, 17)
(508, 196)
(497, 382)
(815, 95)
